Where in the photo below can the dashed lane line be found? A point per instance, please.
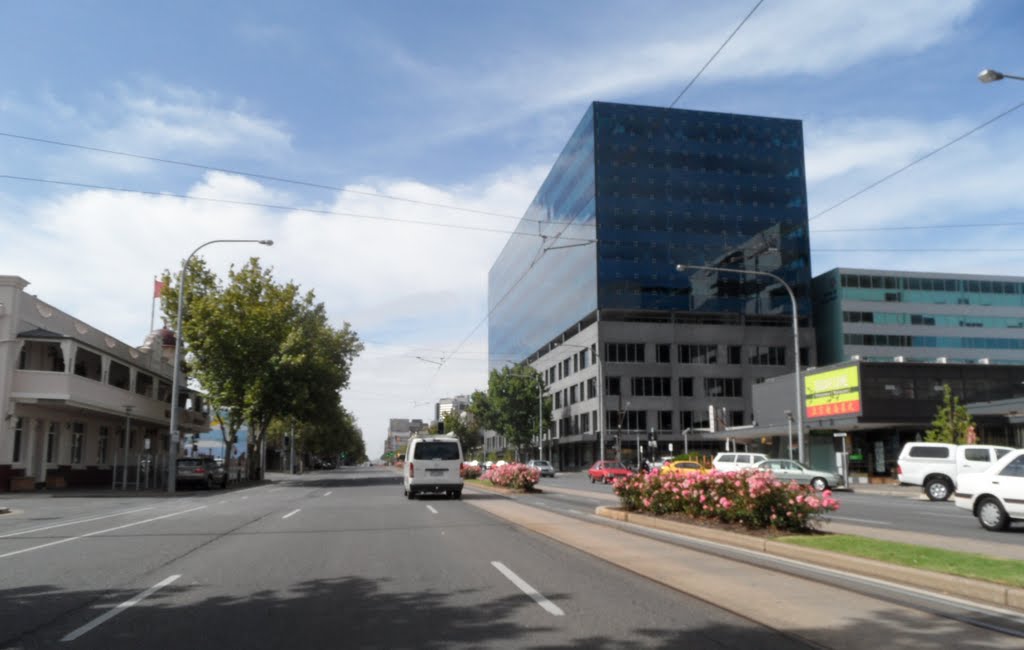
(546, 604)
(99, 620)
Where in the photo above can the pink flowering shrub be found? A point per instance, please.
(470, 471)
(753, 498)
(515, 476)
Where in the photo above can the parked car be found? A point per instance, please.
(607, 471)
(200, 472)
(996, 495)
(683, 467)
(937, 466)
(728, 461)
(790, 470)
(546, 468)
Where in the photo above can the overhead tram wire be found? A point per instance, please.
(271, 206)
(713, 56)
(266, 177)
(921, 159)
(930, 227)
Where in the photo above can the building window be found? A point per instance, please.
(612, 386)
(18, 424)
(686, 386)
(662, 353)
(101, 445)
(705, 354)
(572, 394)
(652, 386)
(723, 387)
(664, 420)
(763, 355)
(584, 422)
(735, 355)
(77, 439)
(592, 388)
(624, 352)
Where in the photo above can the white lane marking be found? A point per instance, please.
(72, 523)
(575, 512)
(222, 501)
(292, 513)
(548, 606)
(99, 532)
(245, 497)
(120, 608)
(328, 493)
(432, 509)
(863, 521)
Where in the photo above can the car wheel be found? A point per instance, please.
(819, 484)
(991, 515)
(411, 495)
(593, 480)
(937, 489)
(457, 494)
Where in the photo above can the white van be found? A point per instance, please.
(936, 466)
(433, 464)
(730, 461)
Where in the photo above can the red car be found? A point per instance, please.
(607, 471)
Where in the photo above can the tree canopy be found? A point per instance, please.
(262, 350)
(510, 405)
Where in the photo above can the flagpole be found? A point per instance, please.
(152, 307)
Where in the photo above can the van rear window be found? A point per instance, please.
(929, 452)
(429, 450)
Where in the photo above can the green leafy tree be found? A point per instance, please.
(464, 427)
(510, 406)
(263, 352)
(952, 421)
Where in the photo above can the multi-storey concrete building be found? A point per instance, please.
(630, 348)
(879, 315)
(77, 406)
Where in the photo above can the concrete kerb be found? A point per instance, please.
(976, 590)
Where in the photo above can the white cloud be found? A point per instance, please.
(406, 288)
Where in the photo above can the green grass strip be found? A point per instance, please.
(967, 565)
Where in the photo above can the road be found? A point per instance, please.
(341, 559)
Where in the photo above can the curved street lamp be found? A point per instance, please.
(796, 342)
(988, 76)
(173, 444)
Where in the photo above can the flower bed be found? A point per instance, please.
(751, 498)
(470, 471)
(515, 476)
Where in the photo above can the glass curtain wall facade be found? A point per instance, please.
(919, 317)
(655, 187)
(592, 267)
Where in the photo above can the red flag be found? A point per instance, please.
(158, 288)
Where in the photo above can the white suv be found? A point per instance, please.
(728, 461)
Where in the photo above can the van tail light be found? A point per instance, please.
(899, 470)
(412, 470)
(462, 466)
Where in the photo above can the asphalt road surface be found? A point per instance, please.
(342, 560)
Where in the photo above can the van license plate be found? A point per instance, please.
(435, 472)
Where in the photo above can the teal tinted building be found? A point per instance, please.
(596, 300)
(903, 316)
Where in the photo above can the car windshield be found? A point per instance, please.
(615, 465)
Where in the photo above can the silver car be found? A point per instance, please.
(790, 470)
(546, 468)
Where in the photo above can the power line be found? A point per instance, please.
(921, 159)
(958, 249)
(272, 206)
(720, 48)
(930, 227)
(266, 177)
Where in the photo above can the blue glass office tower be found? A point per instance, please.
(587, 290)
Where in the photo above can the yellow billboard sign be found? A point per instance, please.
(832, 393)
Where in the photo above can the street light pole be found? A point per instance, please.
(127, 435)
(789, 431)
(796, 342)
(988, 76)
(172, 447)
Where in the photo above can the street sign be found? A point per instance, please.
(839, 434)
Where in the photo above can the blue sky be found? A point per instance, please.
(467, 104)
